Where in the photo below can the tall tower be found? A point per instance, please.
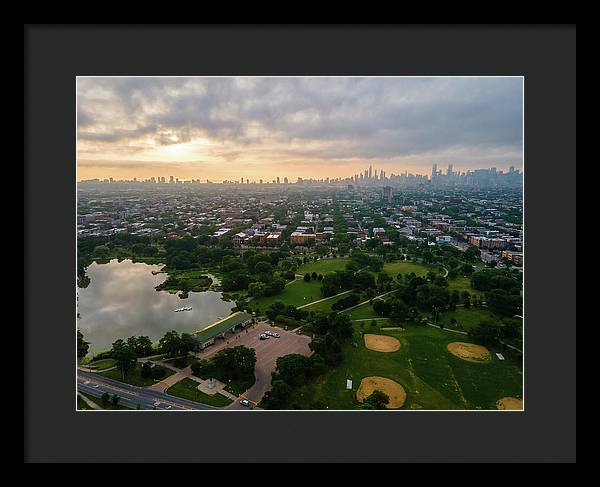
(450, 167)
(370, 171)
(433, 171)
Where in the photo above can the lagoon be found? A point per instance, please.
(120, 301)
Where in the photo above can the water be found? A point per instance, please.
(121, 301)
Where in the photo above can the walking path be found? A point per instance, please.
(324, 299)
(447, 329)
(95, 371)
(369, 300)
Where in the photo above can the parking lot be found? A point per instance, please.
(267, 352)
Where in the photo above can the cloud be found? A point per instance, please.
(319, 118)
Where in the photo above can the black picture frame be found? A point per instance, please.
(54, 55)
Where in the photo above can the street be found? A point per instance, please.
(96, 385)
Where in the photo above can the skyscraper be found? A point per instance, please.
(387, 193)
(433, 171)
(370, 171)
(450, 167)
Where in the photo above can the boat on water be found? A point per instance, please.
(185, 308)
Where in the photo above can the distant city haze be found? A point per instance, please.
(263, 128)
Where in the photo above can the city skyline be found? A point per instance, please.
(260, 128)
(371, 175)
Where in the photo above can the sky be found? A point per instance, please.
(262, 128)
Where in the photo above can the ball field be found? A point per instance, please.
(432, 377)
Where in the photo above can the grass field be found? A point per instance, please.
(461, 284)
(297, 293)
(432, 377)
(323, 266)
(325, 306)
(469, 318)
(103, 364)
(189, 360)
(135, 376)
(187, 389)
(361, 312)
(403, 267)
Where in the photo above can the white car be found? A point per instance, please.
(263, 336)
(269, 332)
(276, 335)
(245, 402)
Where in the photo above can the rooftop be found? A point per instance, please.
(222, 325)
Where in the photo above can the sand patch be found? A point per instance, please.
(381, 343)
(469, 351)
(510, 404)
(394, 391)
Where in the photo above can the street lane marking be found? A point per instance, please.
(115, 388)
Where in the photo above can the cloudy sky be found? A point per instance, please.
(228, 128)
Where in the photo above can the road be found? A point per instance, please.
(96, 385)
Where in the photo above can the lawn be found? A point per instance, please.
(362, 312)
(461, 284)
(103, 364)
(325, 306)
(297, 293)
(469, 318)
(431, 376)
(108, 406)
(323, 266)
(135, 376)
(188, 360)
(188, 389)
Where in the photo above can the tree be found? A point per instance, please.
(341, 327)
(399, 312)
(293, 369)
(263, 268)
(105, 398)
(472, 253)
(115, 400)
(377, 399)
(381, 307)
(143, 346)
(124, 356)
(307, 277)
(188, 343)
(278, 395)
(101, 252)
(235, 363)
(170, 344)
(257, 289)
(82, 346)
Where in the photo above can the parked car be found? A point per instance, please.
(276, 335)
(245, 402)
(263, 337)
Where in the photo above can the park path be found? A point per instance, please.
(324, 299)
(447, 329)
(96, 371)
(367, 301)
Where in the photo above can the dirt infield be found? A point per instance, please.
(510, 404)
(394, 391)
(381, 343)
(469, 351)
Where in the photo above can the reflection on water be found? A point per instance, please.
(121, 301)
